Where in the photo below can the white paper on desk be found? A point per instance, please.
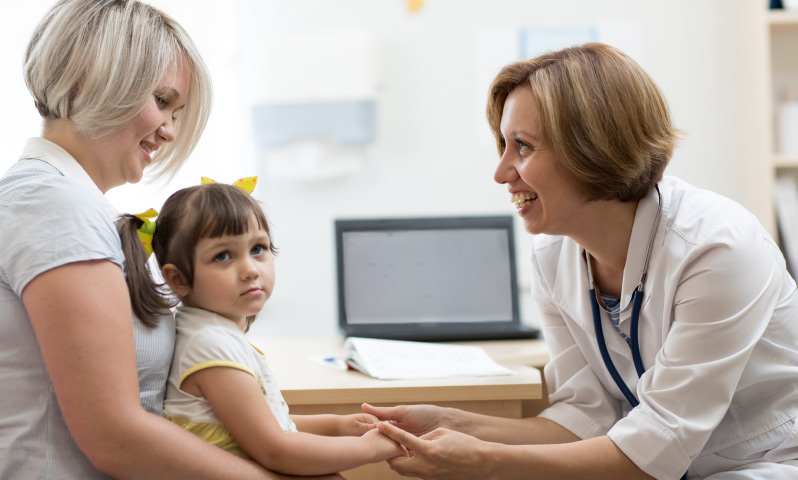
(403, 360)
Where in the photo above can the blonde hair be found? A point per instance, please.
(601, 114)
(98, 62)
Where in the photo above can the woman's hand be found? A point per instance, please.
(416, 419)
(356, 424)
(439, 455)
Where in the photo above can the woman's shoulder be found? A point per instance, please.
(27, 175)
(50, 220)
(699, 216)
(35, 184)
(36, 196)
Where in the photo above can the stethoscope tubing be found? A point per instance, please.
(602, 346)
(637, 302)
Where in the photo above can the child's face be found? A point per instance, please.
(233, 274)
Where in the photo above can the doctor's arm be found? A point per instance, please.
(453, 444)
(445, 454)
(80, 314)
(422, 419)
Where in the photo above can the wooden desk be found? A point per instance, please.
(533, 353)
(310, 387)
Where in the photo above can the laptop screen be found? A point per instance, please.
(426, 272)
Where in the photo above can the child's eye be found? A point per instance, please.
(258, 250)
(222, 257)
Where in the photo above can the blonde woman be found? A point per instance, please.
(121, 88)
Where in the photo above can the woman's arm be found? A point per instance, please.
(421, 419)
(238, 401)
(444, 454)
(81, 316)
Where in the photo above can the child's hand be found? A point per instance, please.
(356, 424)
(384, 447)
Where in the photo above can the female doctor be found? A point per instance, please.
(671, 320)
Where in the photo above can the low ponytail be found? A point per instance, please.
(149, 299)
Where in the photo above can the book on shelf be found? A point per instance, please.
(405, 360)
(786, 203)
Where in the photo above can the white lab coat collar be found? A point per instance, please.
(577, 305)
(645, 216)
(49, 152)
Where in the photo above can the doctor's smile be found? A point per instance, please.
(522, 199)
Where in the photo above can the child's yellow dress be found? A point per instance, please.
(205, 339)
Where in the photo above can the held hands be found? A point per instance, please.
(436, 453)
(365, 425)
(416, 419)
(439, 455)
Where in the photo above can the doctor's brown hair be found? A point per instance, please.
(187, 216)
(604, 118)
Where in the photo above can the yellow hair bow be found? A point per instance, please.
(246, 184)
(147, 229)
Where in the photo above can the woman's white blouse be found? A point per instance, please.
(718, 337)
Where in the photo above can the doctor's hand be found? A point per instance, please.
(416, 419)
(440, 455)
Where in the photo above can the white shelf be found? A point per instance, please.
(785, 161)
(768, 43)
(782, 19)
(779, 44)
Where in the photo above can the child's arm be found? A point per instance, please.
(335, 425)
(238, 401)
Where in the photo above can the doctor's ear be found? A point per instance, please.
(176, 280)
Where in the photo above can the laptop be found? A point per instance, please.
(428, 279)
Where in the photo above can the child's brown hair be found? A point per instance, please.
(188, 215)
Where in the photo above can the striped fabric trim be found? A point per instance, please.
(613, 304)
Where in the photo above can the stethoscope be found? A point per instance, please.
(635, 302)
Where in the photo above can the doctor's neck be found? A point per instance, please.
(606, 235)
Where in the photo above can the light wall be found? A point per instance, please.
(427, 158)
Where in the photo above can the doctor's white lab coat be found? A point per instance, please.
(718, 336)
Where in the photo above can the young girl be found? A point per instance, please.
(213, 245)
